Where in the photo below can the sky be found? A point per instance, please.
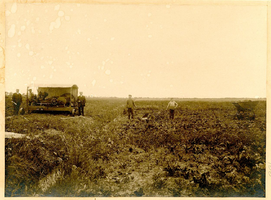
(143, 50)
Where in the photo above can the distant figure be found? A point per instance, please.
(16, 100)
(172, 105)
(130, 107)
(30, 96)
(81, 103)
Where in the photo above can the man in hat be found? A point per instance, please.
(30, 96)
(81, 103)
(130, 107)
(16, 100)
(172, 105)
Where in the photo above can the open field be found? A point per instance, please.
(205, 151)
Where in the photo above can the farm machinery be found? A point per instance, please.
(52, 98)
(245, 109)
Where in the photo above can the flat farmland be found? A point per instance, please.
(206, 151)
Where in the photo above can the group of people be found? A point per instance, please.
(81, 100)
(17, 101)
(130, 105)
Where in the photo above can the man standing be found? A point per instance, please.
(81, 103)
(30, 96)
(130, 107)
(16, 100)
(171, 106)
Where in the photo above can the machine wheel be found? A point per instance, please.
(54, 101)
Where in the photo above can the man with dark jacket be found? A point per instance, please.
(81, 103)
(130, 107)
(16, 100)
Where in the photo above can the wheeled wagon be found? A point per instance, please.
(53, 98)
(245, 109)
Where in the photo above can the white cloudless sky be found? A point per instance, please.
(143, 50)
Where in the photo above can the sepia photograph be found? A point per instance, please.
(135, 99)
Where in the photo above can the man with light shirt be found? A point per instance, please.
(172, 105)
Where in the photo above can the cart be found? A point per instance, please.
(53, 98)
(245, 109)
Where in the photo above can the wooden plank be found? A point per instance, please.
(14, 135)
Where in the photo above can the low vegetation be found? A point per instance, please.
(204, 152)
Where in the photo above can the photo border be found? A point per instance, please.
(132, 2)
